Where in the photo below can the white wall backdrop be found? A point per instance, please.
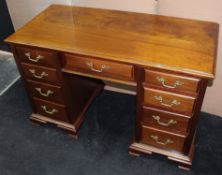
(22, 11)
(143, 6)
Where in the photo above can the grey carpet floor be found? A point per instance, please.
(8, 71)
(102, 148)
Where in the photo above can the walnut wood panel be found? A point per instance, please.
(164, 120)
(195, 118)
(42, 74)
(38, 56)
(45, 91)
(98, 67)
(172, 81)
(161, 139)
(51, 110)
(140, 75)
(181, 45)
(168, 100)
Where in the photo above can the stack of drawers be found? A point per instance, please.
(41, 73)
(168, 106)
(168, 110)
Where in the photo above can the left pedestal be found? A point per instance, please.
(56, 97)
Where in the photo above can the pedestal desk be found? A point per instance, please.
(65, 52)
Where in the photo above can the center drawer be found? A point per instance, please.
(98, 67)
(168, 100)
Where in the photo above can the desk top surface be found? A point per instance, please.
(182, 45)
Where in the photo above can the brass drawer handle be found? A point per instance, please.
(53, 111)
(170, 122)
(41, 76)
(35, 60)
(156, 139)
(162, 80)
(47, 94)
(91, 66)
(174, 102)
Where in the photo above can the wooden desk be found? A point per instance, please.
(169, 60)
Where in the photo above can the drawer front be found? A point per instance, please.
(51, 110)
(167, 121)
(46, 92)
(169, 101)
(99, 67)
(40, 74)
(171, 81)
(162, 140)
(38, 57)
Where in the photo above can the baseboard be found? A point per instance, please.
(2, 52)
